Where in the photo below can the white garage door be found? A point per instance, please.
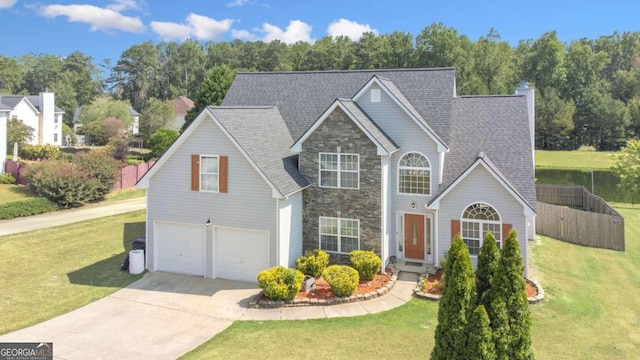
(240, 253)
(180, 248)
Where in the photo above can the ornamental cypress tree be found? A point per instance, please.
(458, 295)
(508, 290)
(480, 344)
(487, 264)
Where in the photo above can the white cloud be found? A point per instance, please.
(171, 31)
(205, 28)
(99, 18)
(235, 3)
(296, 31)
(196, 26)
(351, 29)
(244, 35)
(5, 4)
(120, 5)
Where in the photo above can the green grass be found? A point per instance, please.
(50, 272)
(125, 194)
(590, 312)
(9, 193)
(573, 159)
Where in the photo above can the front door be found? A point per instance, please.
(414, 236)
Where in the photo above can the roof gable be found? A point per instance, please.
(384, 144)
(399, 99)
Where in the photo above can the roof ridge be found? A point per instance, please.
(488, 96)
(348, 71)
(242, 106)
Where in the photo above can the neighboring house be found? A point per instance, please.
(39, 113)
(4, 112)
(182, 105)
(388, 160)
(133, 129)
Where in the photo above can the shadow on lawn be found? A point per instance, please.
(106, 273)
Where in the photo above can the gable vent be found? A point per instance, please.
(375, 95)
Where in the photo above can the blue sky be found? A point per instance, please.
(104, 29)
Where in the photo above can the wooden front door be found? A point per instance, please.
(414, 236)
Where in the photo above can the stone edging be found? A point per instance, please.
(270, 304)
(532, 299)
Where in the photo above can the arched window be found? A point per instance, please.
(477, 220)
(414, 174)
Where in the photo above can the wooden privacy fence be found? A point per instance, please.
(571, 213)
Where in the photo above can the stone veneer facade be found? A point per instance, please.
(338, 130)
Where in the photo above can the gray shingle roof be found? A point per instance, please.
(262, 134)
(12, 100)
(35, 101)
(303, 96)
(369, 125)
(497, 126)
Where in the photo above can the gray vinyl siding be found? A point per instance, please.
(480, 186)
(290, 230)
(247, 204)
(409, 137)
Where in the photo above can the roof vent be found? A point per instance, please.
(524, 83)
(375, 95)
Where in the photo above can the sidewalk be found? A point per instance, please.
(64, 217)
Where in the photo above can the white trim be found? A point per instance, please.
(400, 216)
(217, 157)
(398, 174)
(435, 203)
(482, 223)
(338, 171)
(374, 80)
(339, 220)
(143, 183)
(297, 146)
(375, 95)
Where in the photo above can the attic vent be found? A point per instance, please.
(375, 95)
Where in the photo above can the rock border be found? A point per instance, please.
(417, 292)
(257, 303)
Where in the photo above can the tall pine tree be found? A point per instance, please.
(480, 346)
(458, 296)
(487, 264)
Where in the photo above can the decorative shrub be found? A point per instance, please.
(7, 178)
(119, 148)
(39, 152)
(26, 207)
(99, 165)
(342, 279)
(280, 283)
(313, 263)
(367, 263)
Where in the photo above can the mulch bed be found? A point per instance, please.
(429, 285)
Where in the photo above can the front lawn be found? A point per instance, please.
(10, 193)
(590, 312)
(585, 160)
(46, 273)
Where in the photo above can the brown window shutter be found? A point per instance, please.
(455, 228)
(223, 176)
(505, 230)
(195, 172)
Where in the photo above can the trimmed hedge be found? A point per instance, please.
(367, 263)
(280, 283)
(313, 263)
(342, 279)
(39, 152)
(7, 178)
(26, 207)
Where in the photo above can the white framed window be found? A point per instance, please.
(14, 117)
(56, 118)
(55, 137)
(339, 235)
(209, 173)
(340, 170)
(477, 220)
(414, 174)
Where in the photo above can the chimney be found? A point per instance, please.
(47, 126)
(529, 93)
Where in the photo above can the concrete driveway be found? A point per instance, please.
(161, 316)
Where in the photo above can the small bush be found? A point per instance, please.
(7, 178)
(39, 152)
(26, 207)
(313, 263)
(342, 279)
(367, 263)
(280, 283)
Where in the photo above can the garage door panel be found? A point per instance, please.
(241, 253)
(180, 248)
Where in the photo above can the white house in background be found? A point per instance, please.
(4, 112)
(39, 113)
(133, 129)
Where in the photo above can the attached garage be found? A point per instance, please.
(180, 248)
(240, 254)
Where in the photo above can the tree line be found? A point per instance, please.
(588, 90)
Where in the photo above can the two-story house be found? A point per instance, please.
(388, 160)
(39, 113)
